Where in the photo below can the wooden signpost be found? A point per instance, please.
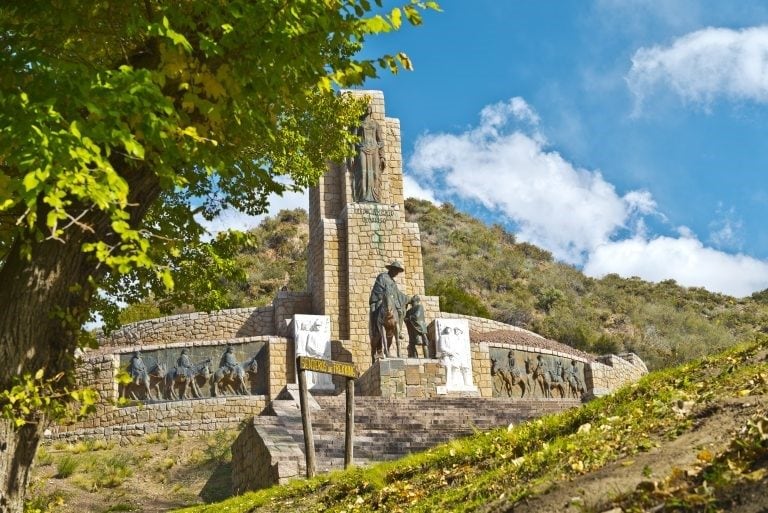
(307, 363)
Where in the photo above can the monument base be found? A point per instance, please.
(403, 377)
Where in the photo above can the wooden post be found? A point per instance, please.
(306, 424)
(304, 363)
(350, 429)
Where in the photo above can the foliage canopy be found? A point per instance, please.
(105, 106)
(125, 123)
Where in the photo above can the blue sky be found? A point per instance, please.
(623, 136)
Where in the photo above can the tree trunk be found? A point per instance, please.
(44, 301)
(17, 452)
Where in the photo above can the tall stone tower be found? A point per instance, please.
(351, 242)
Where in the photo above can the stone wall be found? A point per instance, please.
(189, 417)
(282, 366)
(286, 305)
(610, 372)
(223, 324)
(264, 454)
(327, 269)
(98, 370)
(480, 325)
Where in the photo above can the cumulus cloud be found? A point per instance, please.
(557, 205)
(568, 210)
(704, 65)
(412, 189)
(684, 259)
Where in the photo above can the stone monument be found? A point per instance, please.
(354, 236)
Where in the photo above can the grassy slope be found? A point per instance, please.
(496, 470)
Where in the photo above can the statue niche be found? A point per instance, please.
(368, 163)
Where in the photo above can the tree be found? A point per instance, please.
(121, 123)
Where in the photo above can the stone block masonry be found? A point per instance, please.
(269, 450)
(351, 242)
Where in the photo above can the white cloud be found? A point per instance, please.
(685, 259)
(412, 189)
(235, 220)
(563, 208)
(704, 65)
(497, 115)
(572, 212)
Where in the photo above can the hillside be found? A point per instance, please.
(476, 268)
(482, 270)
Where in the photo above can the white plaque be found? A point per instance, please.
(312, 337)
(455, 354)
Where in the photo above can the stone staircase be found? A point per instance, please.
(388, 428)
(385, 429)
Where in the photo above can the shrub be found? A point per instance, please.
(66, 466)
(454, 299)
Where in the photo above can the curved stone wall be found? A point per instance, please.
(184, 417)
(220, 325)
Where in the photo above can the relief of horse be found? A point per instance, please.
(234, 380)
(548, 380)
(181, 379)
(151, 382)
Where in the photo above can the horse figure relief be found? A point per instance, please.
(187, 378)
(576, 388)
(510, 376)
(548, 379)
(230, 376)
(142, 386)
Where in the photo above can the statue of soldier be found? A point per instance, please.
(417, 328)
(385, 285)
(369, 161)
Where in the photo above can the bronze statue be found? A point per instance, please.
(369, 161)
(417, 329)
(387, 308)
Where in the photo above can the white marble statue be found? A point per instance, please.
(455, 354)
(312, 337)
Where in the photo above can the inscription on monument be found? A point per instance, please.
(374, 214)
